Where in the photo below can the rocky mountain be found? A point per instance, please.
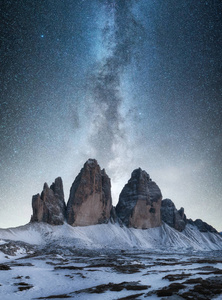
(144, 240)
(202, 226)
(90, 200)
(177, 219)
(140, 201)
(173, 217)
(50, 206)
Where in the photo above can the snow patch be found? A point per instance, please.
(114, 236)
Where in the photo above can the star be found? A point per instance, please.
(129, 83)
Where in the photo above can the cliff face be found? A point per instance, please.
(90, 199)
(50, 206)
(139, 202)
(173, 217)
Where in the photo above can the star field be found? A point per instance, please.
(130, 83)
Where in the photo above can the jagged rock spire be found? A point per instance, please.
(173, 217)
(90, 202)
(50, 206)
(90, 199)
(140, 201)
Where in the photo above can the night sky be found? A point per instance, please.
(132, 83)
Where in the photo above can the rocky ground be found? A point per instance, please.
(69, 273)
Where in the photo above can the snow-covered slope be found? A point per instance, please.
(113, 236)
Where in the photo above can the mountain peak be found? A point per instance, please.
(91, 162)
(50, 206)
(140, 201)
(90, 199)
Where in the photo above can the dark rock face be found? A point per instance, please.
(50, 206)
(171, 216)
(90, 199)
(113, 216)
(139, 202)
(202, 226)
(177, 219)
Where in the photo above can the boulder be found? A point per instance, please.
(50, 206)
(139, 202)
(90, 200)
(171, 216)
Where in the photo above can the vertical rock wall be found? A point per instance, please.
(139, 202)
(50, 206)
(173, 217)
(90, 199)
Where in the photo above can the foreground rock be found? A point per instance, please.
(139, 202)
(173, 217)
(50, 206)
(90, 199)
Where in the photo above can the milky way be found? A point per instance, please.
(130, 83)
(118, 40)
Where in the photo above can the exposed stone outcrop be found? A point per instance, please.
(113, 216)
(173, 217)
(90, 199)
(202, 226)
(139, 202)
(50, 206)
(177, 219)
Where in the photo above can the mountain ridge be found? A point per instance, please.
(90, 202)
(141, 219)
